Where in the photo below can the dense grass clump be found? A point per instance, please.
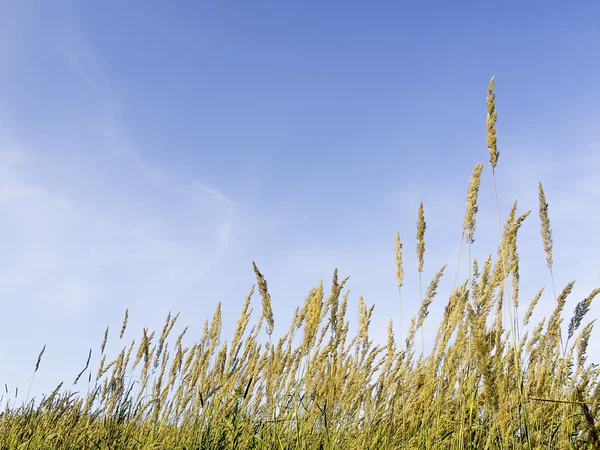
(482, 385)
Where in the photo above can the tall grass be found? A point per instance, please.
(481, 386)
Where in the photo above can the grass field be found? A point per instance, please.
(483, 385)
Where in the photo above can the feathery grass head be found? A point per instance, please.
(143, 348)
(555, 320)
(39, 359)
(580, 311)
(312, 306)
(390, 341)
(421, 226)
(399, 268)
(124, 326)
(163, 336)
(334, 299)
(431, 293)
(584, 339)
(531, 307)
(267, 311)
(492, 116)
(410, 338)
(472, 208)
(103, 346)
(217, 323)
(546, 230)
(363, 320)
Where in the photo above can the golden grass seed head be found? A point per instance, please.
(399, 268)
(555, 319)
(119, 361)
(177, 361)
(411, 334)
(124, 326)
(472, 208)
(363, 320)
(128, 356)
(582, 346)
(334, 300)
(421, 227)
(165, 327)
(475, 270)
(511, 229)
(485, 279)
(190, 357)
(267, 312)
(313, 307)
(142, 348)
(508, 225)
(101, 367)
(391, 344)
(181, 335)
(531, 307)
(429, 296)
(516, 277)
(103, 346)
(161, 341)
(334, 282)
(492, 116)
(562, 298)
(341, 314)
(216, 326)
(172, 324)
(204, 332)
(545, 226)
(146, 349)
(241, 325)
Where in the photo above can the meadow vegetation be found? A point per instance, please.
(492, 380)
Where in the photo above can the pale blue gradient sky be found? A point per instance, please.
(149, 151)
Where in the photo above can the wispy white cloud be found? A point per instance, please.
(90, 228)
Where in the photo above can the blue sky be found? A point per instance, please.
(149, 151)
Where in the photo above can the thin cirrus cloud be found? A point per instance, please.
(90, 228)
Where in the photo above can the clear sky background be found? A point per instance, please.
(150, 151)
